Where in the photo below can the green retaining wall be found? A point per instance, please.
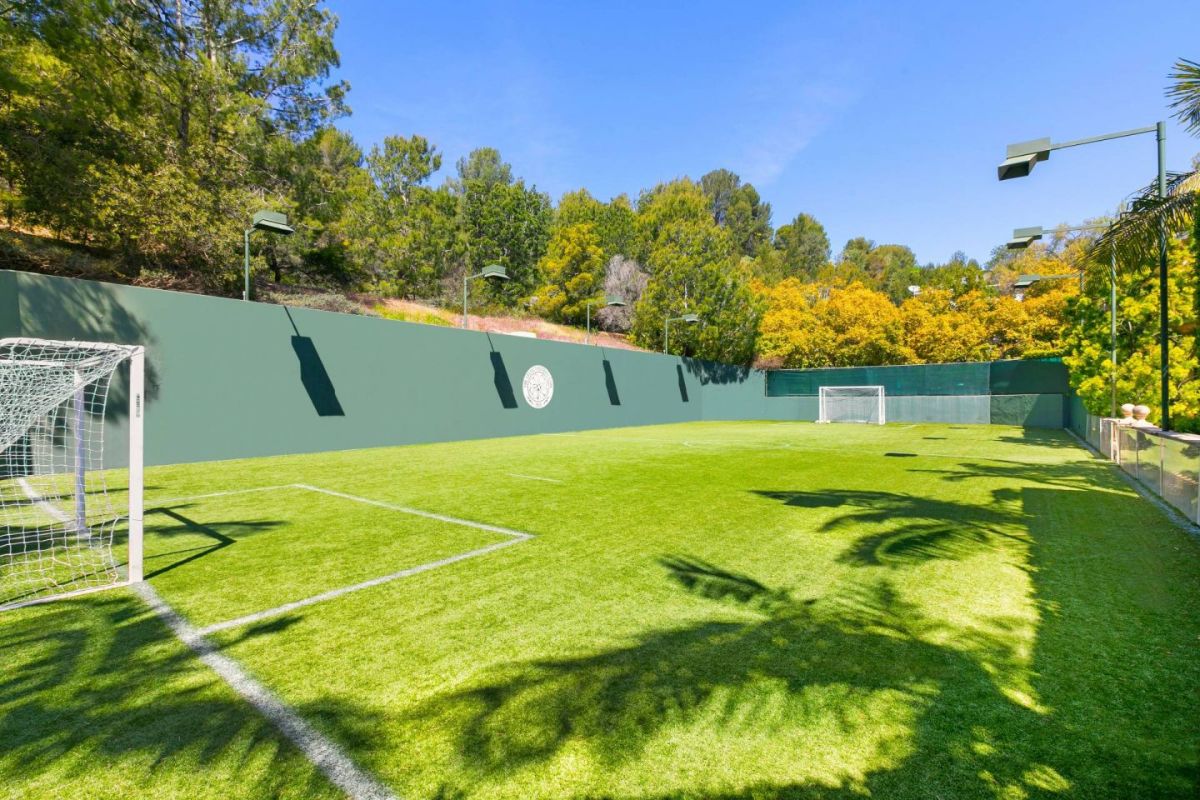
(229, 379)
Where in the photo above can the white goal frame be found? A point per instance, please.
(825, 391)
(136, 355)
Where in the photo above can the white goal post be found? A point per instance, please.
(863, 404)
(58, 519)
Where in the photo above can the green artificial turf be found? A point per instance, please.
(710, 610)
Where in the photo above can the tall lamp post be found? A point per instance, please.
(1023, 237)
(1020, 160)
(610, 300)
(490, 271)
(262, 221)
(690, 319)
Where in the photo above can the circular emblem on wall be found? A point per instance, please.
(538, 386)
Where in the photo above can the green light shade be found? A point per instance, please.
(1021, 158)
(1023, 237)
(494, 271)
(272, 221)
(613, 300)
(690, 318)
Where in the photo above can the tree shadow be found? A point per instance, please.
(62, 308)
(918, 528)
(861, 644)
(104, 685)
(714, 372)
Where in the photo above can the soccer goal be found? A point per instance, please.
(58, 519)
(852, 404)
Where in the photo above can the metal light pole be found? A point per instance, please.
(609, 300)
(262, 221)
(1020, 160)
(688, 318)
(490, 271)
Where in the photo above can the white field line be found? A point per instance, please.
(322, 751)
(258, 616)
(515, 537)
(483, 526)
(534, 478)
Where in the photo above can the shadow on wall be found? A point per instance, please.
(63, 308)
(610, 383)
(683, 392)
(504, 387)
(712, 372)
(314, 376)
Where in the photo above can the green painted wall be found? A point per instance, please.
(228, 379)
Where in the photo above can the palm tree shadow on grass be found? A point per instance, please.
(917, 528)
(104, 684)
(860, 646)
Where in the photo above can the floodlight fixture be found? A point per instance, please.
(1020, 158)
(1023, 237)
(490, 271)
(263, 220)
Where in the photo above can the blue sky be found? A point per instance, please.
(880, 119)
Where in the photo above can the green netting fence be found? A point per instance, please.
(1033, 393)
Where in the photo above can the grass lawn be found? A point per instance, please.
(709, 610)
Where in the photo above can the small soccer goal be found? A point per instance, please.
(58, 519)
(864, 404)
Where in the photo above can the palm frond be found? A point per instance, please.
(1135, 233)
(1184, 94)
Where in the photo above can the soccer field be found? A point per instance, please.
(704, 610)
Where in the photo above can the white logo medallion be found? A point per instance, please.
(538, 386)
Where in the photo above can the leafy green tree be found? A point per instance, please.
(738, 207)
(572, 272)
(1087, 342)
(507, 224)
(718, 292)
(482, 167)
(958, 276)
(803, 246)
(154, 129)
(614, 222)
(670, 208)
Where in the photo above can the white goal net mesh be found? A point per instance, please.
(57, 519)
(863, 404)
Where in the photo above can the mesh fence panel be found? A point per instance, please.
(1181, 476)
(57, 520)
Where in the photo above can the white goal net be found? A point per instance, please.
(852, 404)
(59, 521)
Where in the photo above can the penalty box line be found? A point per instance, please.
(321, 751)
(515, 537)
